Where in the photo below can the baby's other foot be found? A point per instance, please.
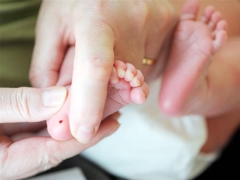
(126, 85)
(194, 44)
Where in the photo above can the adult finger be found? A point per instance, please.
(14, 128)
(30, 104)
(93, 64)
(42, 153)
(49, 48)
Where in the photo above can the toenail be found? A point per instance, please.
(121, 72)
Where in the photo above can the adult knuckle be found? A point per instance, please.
(101, 66)
(20, 103)
(35, 75)
(32, 75)
(48, 159)
(168, 15)
(101, 62)
(140, 14)
(82, 26)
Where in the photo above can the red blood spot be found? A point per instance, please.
(60, 122)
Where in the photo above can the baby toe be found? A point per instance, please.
(140, 94)
(121, 68)
(114, 77)
(130, 72)
(221, 25)
(137, 80)
(209, 10)
(215, 18)
(221, 38)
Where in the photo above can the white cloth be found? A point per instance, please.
(152, 146)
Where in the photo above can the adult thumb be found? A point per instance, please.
(30, 104)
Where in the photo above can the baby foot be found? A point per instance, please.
(126, 85)
(194, 43)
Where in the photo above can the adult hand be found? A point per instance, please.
(102, 31)
(24, 153)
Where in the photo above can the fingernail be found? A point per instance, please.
(85, 133)
(115, 115)
(114, 129)
(135, 82)
(54, 96)
(129, 76)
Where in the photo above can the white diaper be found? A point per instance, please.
(151, 146)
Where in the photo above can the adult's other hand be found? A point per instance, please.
(23, 152)
(102, 31)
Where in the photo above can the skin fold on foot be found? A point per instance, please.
(194, 44)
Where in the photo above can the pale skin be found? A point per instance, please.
(50, 47)
(126, 85)
(61, 25)
(102, 31)
(220, 128)
(199, 81)
(211, 30)
(23, 149)
(220, 100)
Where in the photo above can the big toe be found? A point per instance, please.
(140, 94)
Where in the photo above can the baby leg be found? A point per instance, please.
(126, 85)
(194, 43)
